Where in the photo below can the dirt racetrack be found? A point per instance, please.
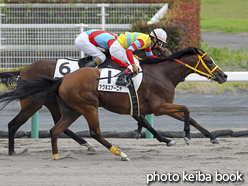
(149, 159)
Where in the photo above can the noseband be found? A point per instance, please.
(210, 72)
(161, 53)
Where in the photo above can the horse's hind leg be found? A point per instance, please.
(205, 132)
(53, 107)
(93, 122)
(25, 113)
(142, 121)
(65, 121)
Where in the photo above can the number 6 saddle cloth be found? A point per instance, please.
(65, 66)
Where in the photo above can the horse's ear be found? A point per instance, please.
(192, 50)
(199, 51)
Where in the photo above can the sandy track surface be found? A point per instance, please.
(77, 166)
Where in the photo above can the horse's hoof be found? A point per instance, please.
(187, 140)
(214, 141)
(12, 153)
(92, 149)
(125, 159)
(138, 135)
(171, 143)
(15, 154)
(55, 156)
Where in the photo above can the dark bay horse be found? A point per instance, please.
(30, 106)
(78, 95)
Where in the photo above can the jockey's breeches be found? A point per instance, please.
(82, 43)
(118, 52)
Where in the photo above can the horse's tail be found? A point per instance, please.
(39, 89)
(8, 78)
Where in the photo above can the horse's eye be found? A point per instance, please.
(210, 62)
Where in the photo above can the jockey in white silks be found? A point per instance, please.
(88, 42)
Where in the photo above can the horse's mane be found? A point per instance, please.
(174, 55)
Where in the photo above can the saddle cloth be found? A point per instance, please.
(65, 66)
(109, 85)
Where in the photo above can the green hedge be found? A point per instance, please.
(182, 24)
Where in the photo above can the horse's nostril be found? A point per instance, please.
(225, 76)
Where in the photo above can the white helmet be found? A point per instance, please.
(160, 34)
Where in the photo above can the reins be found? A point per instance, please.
(209, 75)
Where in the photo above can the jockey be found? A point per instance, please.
(122, 49)
(88, 42)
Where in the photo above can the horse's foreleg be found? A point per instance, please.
(205, 132)
(93, 121)
(142, 121)
(139, 130)
(170, 109)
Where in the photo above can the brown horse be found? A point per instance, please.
(78, 95)
(30, 106)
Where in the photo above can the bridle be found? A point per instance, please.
(161, 53)
(210, 72)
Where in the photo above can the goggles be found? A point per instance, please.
(160, 43)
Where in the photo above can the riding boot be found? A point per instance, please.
(122, 78)
(95, 62)
(83, 61)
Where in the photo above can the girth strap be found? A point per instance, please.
(134, 100)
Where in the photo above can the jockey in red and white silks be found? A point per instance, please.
(122, 49)
(88, 42)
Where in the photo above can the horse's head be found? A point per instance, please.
(196, 60)
(206, 67)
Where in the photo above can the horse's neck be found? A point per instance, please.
(173, 71)
(182, 71)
